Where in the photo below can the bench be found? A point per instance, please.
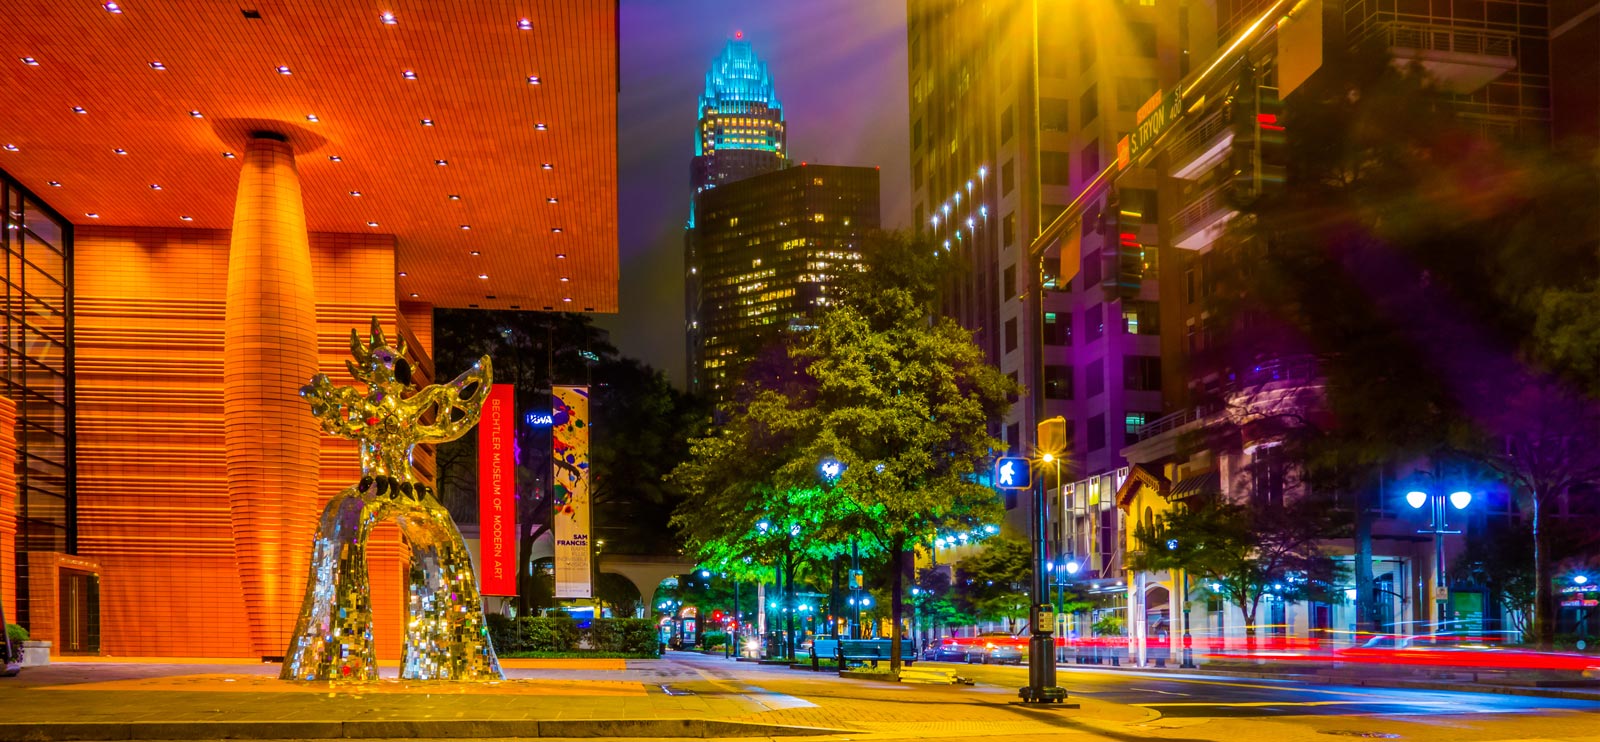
(860, 651)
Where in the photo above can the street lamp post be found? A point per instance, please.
(1041, 686)
(1459, 500)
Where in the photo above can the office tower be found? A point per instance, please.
(771, 249)
(1016, 107)
(740, 134)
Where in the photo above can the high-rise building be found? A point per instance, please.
(771, 248)
(1016, 107)
(741, 131)
(740, 134)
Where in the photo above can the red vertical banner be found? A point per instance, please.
(497, 489)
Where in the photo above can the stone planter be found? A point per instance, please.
(35, 654)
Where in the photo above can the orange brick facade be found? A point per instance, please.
(153, 506)
(8, 509)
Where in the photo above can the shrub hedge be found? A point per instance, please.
(562, 634)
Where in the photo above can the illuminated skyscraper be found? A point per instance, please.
(740, 134)
(741, 131)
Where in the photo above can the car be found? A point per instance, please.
(995, 647)
(946, 649)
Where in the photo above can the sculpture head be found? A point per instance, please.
(378, 364)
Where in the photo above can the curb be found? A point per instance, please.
(413, 729)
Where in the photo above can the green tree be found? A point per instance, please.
(1245, 552)
(901, 400)
(993, 583)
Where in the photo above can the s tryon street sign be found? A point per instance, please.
(1012, 473)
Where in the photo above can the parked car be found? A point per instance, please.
(994, 647)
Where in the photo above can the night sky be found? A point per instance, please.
(839, 68)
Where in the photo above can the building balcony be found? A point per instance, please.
(1461, 60)
(1203, 146)
(1201, 222)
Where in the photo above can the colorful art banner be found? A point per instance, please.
(569, 407)
(497, 489)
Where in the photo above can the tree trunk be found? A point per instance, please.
(1544, 603)
(1249, 611)
(788, 605)
(896, 604)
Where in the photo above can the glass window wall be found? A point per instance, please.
(36, 372)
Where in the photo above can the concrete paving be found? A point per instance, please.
(697, 696)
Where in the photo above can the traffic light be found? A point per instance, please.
(1259, 138)
(1126, 258)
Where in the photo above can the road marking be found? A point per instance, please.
(1163, 692)
(772, 700)
(1256, 704)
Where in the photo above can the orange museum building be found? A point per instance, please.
(201, 202)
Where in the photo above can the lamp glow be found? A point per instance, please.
(1460, 500)
(1073, 567)
(1416, 499)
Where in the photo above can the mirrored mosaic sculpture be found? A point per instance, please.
(446, 637)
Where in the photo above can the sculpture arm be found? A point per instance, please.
(454, 414)
(333, 405)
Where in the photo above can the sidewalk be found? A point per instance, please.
(672, 698)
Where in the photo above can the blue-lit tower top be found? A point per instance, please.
(741, 130)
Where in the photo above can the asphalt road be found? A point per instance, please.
(1193, 695)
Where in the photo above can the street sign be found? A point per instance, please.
(1012, 473)
(1154, 118)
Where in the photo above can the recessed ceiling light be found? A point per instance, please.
(413, 294)
(409, 75)
(228, 155)
(403, 274)
(187, 218)
(197, 114)
(30, 61)
(525, 25)
(475, 252)
(388, 20)
(372, 224)
(564, 279)
(120, 151)
(483, 276)
(567, 300)
(11, 147)
(427, 122)
(547, 166)
(155, 187)
(112, 8)
(555, 230)
(551, 200)
(284, 70)
(92, 215)
(540, 127)
(466, 226)
(312, 118)
(534, 80)
(335, 158)
(79, 109)
(157, 66)
(454, 197)
(561, 256)
(55, 184)
(356, 193)
(441, 163)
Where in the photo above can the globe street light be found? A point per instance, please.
(1459, 500)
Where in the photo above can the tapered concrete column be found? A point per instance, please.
(270, 350)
